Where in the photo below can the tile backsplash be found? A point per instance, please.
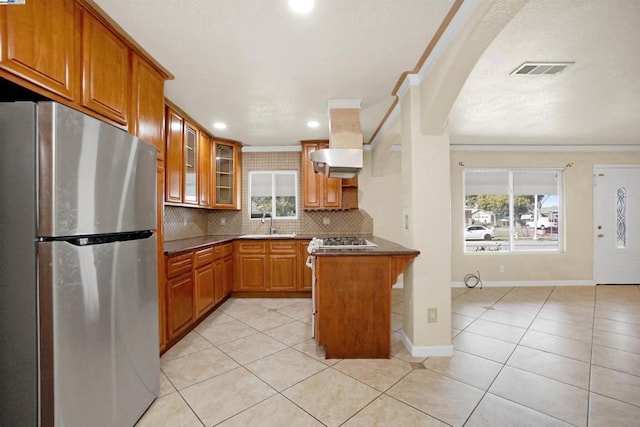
(182, 223)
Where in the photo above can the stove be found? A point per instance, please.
(348, 242)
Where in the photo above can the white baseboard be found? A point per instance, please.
(520, 284)
(426, 350)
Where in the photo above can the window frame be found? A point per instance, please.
(512, 247)
(273, 174)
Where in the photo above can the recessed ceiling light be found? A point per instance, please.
(220, 125)
(313, 124)
(301, 6)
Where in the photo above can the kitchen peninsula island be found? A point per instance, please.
(353, 298)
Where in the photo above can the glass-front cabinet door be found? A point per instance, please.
(226, 179)
(224, 174)
(190, 164)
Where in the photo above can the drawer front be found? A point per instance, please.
(253, 247)
(179, 264)
(283, 247)
(223, 251)
(204, 256)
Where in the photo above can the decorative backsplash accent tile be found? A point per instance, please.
(225, 222)
(183, 223)
(200, 222)
(351, 222)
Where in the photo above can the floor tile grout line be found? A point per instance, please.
(190, 408)
(507, 360)
(595, 304)
(550, 296)
(302, 409)
(335, 369)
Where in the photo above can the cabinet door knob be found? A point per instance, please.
(600, 235)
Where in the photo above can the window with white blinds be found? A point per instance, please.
(273, 193)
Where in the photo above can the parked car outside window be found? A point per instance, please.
(478, 232)
(543, 223)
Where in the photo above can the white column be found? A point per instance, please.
(427, 220)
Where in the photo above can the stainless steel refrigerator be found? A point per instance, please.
(78, 275)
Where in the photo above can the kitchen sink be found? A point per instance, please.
(268, 236)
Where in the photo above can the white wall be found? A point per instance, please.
(381, 196)
(575, 264)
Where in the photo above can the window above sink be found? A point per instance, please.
(274, 193)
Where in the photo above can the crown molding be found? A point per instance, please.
(548, 148)
(391, 118)
(271, 148)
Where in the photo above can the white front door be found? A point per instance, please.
(617, 225)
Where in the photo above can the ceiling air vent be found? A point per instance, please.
(540, 68)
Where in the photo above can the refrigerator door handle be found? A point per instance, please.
(101, 238)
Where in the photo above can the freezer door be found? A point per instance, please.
(99, 332)
(93, 177)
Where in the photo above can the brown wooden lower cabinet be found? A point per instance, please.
(227, 267)
(304, 272)
(204, 289)
(196, 281)
(180, 304)
(223, 271)
(203, 280)
(353, 304)
(282, 272)
(199, 280)
(266, 266)
(179, 288)
(283, 265)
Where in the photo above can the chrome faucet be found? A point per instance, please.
(272, 230)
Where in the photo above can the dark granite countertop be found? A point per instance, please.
(175, 246)
(385, 247)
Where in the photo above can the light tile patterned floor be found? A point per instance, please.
(530, 356)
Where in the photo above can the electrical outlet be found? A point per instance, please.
(326, 221)
(184, 222)
(432, 315)
(223, 221)
(406, 222)
(501, 268)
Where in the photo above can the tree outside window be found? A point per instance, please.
(521, 207)
(273, 193)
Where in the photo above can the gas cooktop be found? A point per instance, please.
(345, 242)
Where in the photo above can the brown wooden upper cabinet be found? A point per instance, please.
(227, 175)
(190, 164)
(320, 192)
(68, 51)
(200, 170)
(38, 43)
(147, 111)
(105, 70)
(182, 160)
(204, 169)
(173, 161)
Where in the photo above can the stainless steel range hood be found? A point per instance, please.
(337, 162)
(343, 158)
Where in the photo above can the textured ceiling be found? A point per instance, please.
(596, 101)
(266, 71)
